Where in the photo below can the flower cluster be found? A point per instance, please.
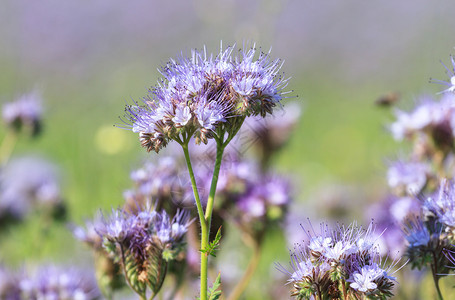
(340, 263)
(408, 178)
(24, 113)
(451, 82)
(430, 235)
(249, 197)
(431, 123)
(48, 282)
(143, 241)
(27, 183)
(205, 96)
(164, 181)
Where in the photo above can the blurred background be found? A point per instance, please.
(89, 58)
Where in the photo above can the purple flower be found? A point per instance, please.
(442, 204)
(366, 279)
(451, 82)
(430, 117)
(57, 283)
(116, 227)
(171, 232)
(199, 94)
(89, 234)
(27, 182)
(407, 178)
(416, 233)
(334, 258)
(25, 112)
(9, 287)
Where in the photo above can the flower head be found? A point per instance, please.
(407, 178)
(343, 255)
(144, 241)
(368, 278)
(451, 82)
(51, 282)
(24, 113)
(442, 206)
(29, 182)
(203, 93)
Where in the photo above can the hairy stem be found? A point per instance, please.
(203, 222)
(216, 173)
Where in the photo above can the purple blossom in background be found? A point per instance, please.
(430, 120)
(26, 183)
(407, 178)
(442, 205)
(271, 133)
(199, 94)
(389, 216)
(163, 181)
(58, 283)
(25, 112)
(9, 287)
(416, 233)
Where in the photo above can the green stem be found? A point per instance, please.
(434, 272)
(7, 146)
(203, 222)
(216, 172)
(245, 280)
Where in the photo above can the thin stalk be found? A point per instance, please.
(246, 278)
(204, 228)
(7, 146)
(216, 173)
(434, 272)
(200, 210)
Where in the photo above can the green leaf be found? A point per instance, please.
(212, 247)
(215, 291)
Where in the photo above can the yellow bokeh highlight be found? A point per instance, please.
(111, 140)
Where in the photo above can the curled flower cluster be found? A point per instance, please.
(206, 95)
(340, 263)
(24, 113)
(143, 242)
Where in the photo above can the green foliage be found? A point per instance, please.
(215, 291)
(213, 246)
